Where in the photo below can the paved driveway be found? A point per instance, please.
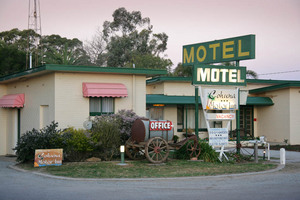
(283, 184)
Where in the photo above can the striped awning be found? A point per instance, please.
(12, 101)
(104, 90)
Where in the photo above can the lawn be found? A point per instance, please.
(144, 169)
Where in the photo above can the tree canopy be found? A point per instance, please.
(129, 41)
(54, 49)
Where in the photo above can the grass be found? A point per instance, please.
(143, 169)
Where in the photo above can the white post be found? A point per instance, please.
(268, 151)
(282, 156)
(30, 60)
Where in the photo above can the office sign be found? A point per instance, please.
(219, 75)
(160, 125)
(220, 99)
(226, 50)
(218, 136)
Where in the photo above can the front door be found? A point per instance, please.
(246, 122)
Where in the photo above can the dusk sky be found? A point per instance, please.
(276, 24)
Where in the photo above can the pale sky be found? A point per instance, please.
(276, 24)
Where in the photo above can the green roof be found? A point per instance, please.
(164, 99)
(275, 87)
(169, 79)
(189, 79)
(83, 69)
(174, 100)
(259, 101)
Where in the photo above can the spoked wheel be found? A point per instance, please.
(193, 149)
(133, 152)
(157, 150)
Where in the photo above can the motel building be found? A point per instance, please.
(70, 95)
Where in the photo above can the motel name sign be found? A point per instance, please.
(226, 50)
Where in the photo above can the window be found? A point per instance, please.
(156, 113)
(101, 105)
(186, 118)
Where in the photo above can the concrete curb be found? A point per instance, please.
(278, 168)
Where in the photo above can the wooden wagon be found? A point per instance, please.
(153, 140)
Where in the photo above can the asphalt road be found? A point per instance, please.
(282, 184)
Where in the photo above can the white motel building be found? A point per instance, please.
(71, 95)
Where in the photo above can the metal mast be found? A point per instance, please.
(33, 42)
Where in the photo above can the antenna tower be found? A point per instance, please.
(33, 41)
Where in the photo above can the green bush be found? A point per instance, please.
(76, 144)
(106, 136)
(46, 138)
(208, 154)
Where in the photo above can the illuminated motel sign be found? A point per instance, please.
(219, 75)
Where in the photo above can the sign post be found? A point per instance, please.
(196, 112)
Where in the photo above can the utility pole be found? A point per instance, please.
(33, 42)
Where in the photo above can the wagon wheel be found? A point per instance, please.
(193, 149)
(157, 150)
(133, 152)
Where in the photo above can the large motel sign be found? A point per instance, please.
(200, 54)
(226, 50)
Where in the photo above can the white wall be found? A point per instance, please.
(295, 118)
(3, 123)
(274, 121)
(72, 109)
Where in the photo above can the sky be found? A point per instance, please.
(275, 23)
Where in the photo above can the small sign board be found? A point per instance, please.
(220, 99)
(218, 136)
(220, 116)
(48, 157)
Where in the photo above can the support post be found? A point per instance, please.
(196, 110)
(19, 124)
(255, 152)
(238, 139)
(186, 114)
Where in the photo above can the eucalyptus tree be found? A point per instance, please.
(129, 41)
(60, 50)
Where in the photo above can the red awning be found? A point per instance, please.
(104, 90)
(12, 101)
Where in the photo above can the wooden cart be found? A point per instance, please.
(156, 147)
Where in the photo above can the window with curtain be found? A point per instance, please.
(186, 118)
(101, 105)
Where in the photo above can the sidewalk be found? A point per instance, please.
(290, 156)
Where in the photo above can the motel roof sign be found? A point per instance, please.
(230, 49)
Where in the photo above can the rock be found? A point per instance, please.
(93, 159)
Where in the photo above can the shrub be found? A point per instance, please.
(46, 138)
(106, 136)
(76, 144)
(208, 154)
(125, 119)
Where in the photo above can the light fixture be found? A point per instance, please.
(122, 150)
